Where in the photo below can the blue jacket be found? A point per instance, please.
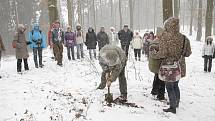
(37, 38)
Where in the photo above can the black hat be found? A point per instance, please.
(125, 25)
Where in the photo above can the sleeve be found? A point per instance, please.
(87, 37)
(107, 38)
(30, 39)
(119, 35)
(162, 52)
(188, 51)
(62, 37)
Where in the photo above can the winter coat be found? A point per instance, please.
(1, 44)
(21, 43)
(154, 64)
(137, 42)
(171, 44)
(103, 39)
(125, 37)
(115, 53)
(208, 49)
(37, 38)
(79, 37)
(113, 38)
(57, 36)
(91, 40)
(70, 39)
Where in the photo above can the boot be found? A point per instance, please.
(26, 64)
(171, 110)
(160, 97)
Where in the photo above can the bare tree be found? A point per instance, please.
(176, 8)
(79, 12)
(131, 7)
(199, 31)
(208, 19)
(69, 8)
(214, 20)
(191, 16)
(94, 15)
(111, 15)
(167, 9)
(120, 13)
(53, 11)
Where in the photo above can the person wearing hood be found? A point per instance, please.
(208, 53)
(38, 43)
(125, 36)
(91, 42)
(79, 41)
(20, 45)
(113, 60)
(113, 37)
(173, 48)
(137, 44)
(57, 37)
(70, 41)
(102, 38)
(2, 48)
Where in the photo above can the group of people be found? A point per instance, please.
(166, 53)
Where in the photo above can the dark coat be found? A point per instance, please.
(125, 37)
(103, 39)
(91, 40)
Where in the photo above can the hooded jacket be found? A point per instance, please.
(171, 45)
(91, 39)
(37, 37)
(21, 43)
(137, 42)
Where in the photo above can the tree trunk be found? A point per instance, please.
(79, 12)
(191, 16)
(53, 12)
(120, 13)
(167, 9)
(94, 15)
(199, 31)
(214, 20)
(111, 14)
(131, 7)
(176, 8)
(208, 21)
(69, 8)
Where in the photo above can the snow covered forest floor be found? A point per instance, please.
(64, 93)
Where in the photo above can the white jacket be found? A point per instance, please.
(137, 42)
(208, 49)
(113, 38)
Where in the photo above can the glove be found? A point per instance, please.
(28, 42)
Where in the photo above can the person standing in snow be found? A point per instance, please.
(113, 37)
(57, 37)
(91, 42)
(158, 87)
(70, 41)
(173, 48)
(2, 48)
(113, 60)
(20, 43)
(208, 53)
(79, 41)
(102, 38)
(38, 42)
(137, 45)
(125, 37)
(145, 44)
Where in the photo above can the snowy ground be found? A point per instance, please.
(61, 93)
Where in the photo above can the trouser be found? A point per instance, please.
(137, 52)
(80, 51)
(69, 50)
(208, 63)
(122, 82)
(126, 49)
(37, 52)
(94, 52)
(19, 65)
(173, 93)
(158, 87)
(58, 50)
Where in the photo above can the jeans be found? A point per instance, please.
(207, 63)
(19, 65)
(94, 52)
(69, 50)
(126, 49)
(37, 52)
(173, 93)
(137, 52)
(80, 50)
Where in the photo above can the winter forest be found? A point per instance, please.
(107, 60)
